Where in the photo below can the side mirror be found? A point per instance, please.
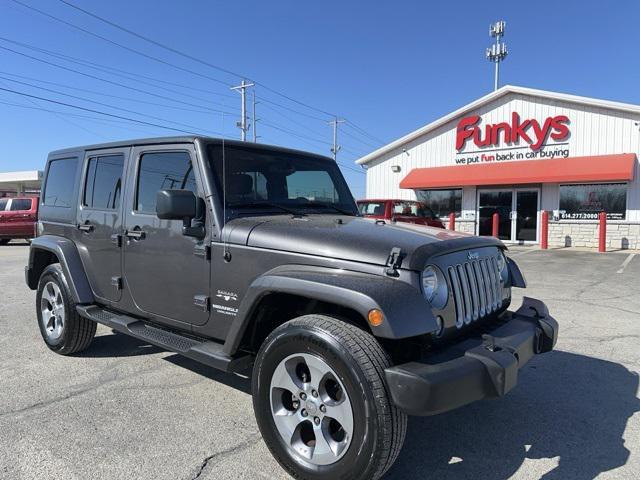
(182, 205)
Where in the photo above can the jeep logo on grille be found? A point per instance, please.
(473, 255)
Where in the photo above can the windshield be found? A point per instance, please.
(269, 181)
(412, 209)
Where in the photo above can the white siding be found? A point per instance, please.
(594, 131)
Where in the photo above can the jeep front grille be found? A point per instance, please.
(477, 290)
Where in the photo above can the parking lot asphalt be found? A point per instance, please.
(125, 409)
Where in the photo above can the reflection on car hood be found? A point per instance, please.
(349, 238)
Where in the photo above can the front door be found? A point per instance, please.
(162, 272)
(100, 222)
(495, 201)
(517, 211)
(525, 223)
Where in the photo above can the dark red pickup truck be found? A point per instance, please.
(408, 211)
(18, 217)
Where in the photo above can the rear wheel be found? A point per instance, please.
(321, 402)
(63, 330)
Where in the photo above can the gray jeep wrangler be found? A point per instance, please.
(237, 254)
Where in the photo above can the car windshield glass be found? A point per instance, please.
(272, 181)
(412, 209)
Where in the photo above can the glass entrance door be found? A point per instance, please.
(517, 211)
(495, 201)
(526, 217)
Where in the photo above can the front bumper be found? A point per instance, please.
(484, 367)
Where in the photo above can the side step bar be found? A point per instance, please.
(207, 352)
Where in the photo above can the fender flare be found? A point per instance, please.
(406, 312)
(69, 258)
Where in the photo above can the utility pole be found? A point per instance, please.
(242, 124)
(498, 51)
(336, 148)
(253, 114)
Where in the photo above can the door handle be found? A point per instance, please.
(85, 227)
(135, 234)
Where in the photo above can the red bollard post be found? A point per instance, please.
(452, 221)
(495, 224)
(602, 240)
(544, 240)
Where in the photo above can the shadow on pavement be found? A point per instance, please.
(567, 406)
(240, 382)
(118, 345)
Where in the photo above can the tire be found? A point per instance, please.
(356, 363)
(63, 330)
(4, 241)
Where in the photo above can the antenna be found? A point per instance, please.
(497, 52)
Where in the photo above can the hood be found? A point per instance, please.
(350, 238)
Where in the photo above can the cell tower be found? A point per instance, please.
(497, 52)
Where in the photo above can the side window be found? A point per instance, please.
(3, 204)
(161, 171)
(103, 184)
(19, 204)
(58, 190)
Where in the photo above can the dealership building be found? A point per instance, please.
(516, 152)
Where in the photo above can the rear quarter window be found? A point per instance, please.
(20, 204)
(59, 185)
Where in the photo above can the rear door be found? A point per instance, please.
(99, 223)
(20, 217)
(164, 273)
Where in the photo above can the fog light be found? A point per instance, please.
(375, 317)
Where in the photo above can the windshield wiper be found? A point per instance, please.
(264, 204)
(331, 206)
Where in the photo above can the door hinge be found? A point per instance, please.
(116, 239)
(394, 262)
(202, 302)
(203, 251)
(116, 282)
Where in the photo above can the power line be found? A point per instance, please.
(129, 49)
(365, 133)
(116, 72)
(142, 122)
(190, 57)
(122, 85)
(95, 92)
(98, 103)
(173, 50)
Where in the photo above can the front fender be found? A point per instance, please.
(406, 312)
(69, 258)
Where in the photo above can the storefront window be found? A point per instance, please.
(585, 202)
(442, 202)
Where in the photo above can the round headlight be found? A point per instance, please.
(434, 287)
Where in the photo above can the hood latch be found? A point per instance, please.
(394, 262)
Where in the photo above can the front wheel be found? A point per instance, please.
(321, 402)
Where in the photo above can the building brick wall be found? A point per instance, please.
(620, 235)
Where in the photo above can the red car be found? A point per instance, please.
(408, 211)
(18, 217)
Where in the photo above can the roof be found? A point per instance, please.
(507, 89)
(25, 176)
(181, 139)
(601, 168)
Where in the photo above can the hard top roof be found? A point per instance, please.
(182, 139)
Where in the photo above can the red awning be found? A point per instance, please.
(601, 168)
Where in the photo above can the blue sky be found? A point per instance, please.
(388, 67)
